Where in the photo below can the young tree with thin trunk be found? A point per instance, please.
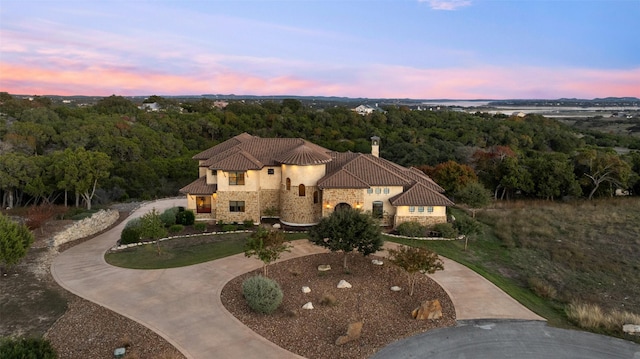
(15, 240)
(267, 246)
(415, 261)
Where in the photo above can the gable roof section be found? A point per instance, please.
(237, 161)
(342, 179)
(420, 195)
(199, 186)
(223, 146)
(370, 170)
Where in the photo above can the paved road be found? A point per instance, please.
(183, 304)
(487, 339)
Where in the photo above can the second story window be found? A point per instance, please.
(236, 178)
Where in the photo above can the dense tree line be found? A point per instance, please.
(114, 151)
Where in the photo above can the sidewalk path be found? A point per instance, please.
(183, 304)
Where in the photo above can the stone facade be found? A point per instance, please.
(86, 227)
(300, 209)
(251, 205)
(423, 220)
(269, 202)
(354, 197)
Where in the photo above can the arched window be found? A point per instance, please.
(316, 197)
(301, 190)
(288, 184)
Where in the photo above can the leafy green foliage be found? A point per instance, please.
(186, 217)
(262, 294)
(130, 235)
(475, 195)
(201, 226)
(26, 348)
(151, 226)
(411, 229)
(347, 230)
(267, 246)
(168, 216)
(176, 228)
(415, 261)
(446, 230)
(15, 240)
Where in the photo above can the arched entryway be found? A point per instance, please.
(341, 206)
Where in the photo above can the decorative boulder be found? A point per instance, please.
(395, 288)
(429, 309)
(276, 226)
(344, 284)
(306, 290)
(377, 262)
(632, 329)
(324, 267)
(353, 332)
(307, 305)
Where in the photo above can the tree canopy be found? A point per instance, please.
(347, 230)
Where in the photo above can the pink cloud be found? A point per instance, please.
(372, 81)
(447, 4)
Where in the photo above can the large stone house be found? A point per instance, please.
(250, 178)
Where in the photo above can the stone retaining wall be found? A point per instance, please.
(86, 227)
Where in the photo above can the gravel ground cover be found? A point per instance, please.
(312, 333)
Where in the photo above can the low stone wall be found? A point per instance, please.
(86, 227)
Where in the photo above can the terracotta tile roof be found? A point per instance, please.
(223, 146)
(420, 195)
(199, 186)
(237, 161)
(342, 179)
(304, 155)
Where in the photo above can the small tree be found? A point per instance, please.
(151, 227)
(415, 261)
(467, 227)
(15, 240)
(475, 196)
(345, 230)
(267, 246)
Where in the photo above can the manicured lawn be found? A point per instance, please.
(182, 252)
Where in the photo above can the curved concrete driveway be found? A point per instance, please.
(183, 304)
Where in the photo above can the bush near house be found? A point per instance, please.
(26, 348)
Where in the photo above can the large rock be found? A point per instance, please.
(429, 309)
(324, 267)
(308, 306)
(353, 332)
(306, 289)
(632, 329)
(344, 284)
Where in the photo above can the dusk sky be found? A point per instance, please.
(421, 49)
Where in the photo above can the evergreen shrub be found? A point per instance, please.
(130, 235)
(36, 348)
(186, 218)
(262, 294)
(200, 226)
(411, 229)
(176, 228)
(229, 227)
(168, 217)
(445, 230)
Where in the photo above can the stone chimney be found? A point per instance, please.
(375, 146)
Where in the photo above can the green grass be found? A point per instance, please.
(182, 252)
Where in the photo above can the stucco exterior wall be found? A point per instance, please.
(268, 181)
(306, 175)
(251, 182)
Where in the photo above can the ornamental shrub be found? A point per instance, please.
(176, 228)
(229, 228)
(411, 229)
(168, 217)
(185, 218)
(262, 294)
(200, 226)
(27, 348)
(130, 235)
(446, 230)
